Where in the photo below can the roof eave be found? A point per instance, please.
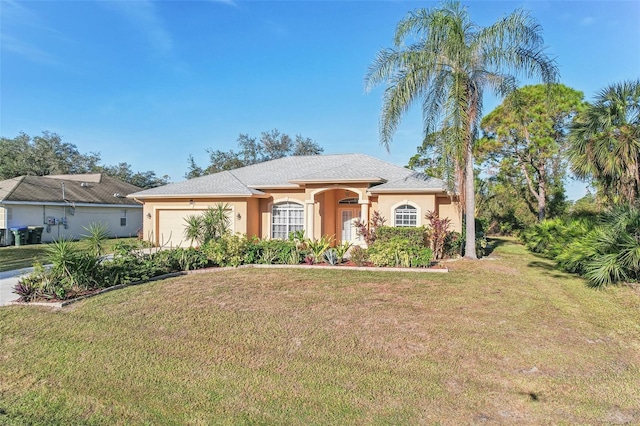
(408, 190)
(173, 196)
(338, 180)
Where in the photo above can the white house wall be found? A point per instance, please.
(38, 215)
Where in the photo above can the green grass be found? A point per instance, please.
(505, 341)
(13, 257)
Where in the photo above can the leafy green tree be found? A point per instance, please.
(605, 142)
(41, 156)
(306, 146)
(125, 173)
(49, 155)
(272, 145)
(527, 133)
(446, 61)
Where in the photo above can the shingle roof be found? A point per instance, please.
(289, 171)
(93, 189)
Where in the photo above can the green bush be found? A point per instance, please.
(400, 251)
(415, 236)
(228, 250)
(605, 249)
(359, 256)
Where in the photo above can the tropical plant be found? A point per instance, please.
(342, 249)
(97, 234)
(331, 257)
(443, 59)
(318, 247)
(212, 224)
(605, 142)
(368, 230)
(438, 229)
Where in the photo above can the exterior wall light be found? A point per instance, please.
(148, 215)
(238, 216)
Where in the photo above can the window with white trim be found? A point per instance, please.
(123, 218)
(406, 215)
(286, 218)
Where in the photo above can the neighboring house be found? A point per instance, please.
(320, 194)
(65, 204)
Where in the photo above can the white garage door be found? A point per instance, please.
(172, 224)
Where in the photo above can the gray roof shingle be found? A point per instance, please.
(95, 189)
(287, 171)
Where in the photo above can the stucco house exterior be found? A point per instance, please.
(65, 204)
(319, 194)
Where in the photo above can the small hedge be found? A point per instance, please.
(400, 246)
(414, 236)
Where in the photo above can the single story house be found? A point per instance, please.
(65, 204)
(319, 194)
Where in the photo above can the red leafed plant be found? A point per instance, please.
(438, 229)
(368, 230)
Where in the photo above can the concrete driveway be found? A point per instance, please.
(8, 280)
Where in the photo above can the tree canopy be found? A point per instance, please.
(271, 146)
(605, 142)
(48, 155)
(445, 61)
(526, 137)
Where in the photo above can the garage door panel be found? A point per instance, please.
(172, 223)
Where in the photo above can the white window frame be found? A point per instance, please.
(287, 208)
(123, 218)
(408, 212)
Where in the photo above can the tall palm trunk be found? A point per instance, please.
(469, 206)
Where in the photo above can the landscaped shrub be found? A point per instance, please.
(368, 230)
(212, 224)
(331, 257)
(437, 233)
(414, 235)
(359, 256)
(452, 244)
(318, 247)
(400, 248)
(274, 252)
(228, 250)
(606, 250)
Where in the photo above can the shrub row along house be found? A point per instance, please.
(63, 205)
(319, 194)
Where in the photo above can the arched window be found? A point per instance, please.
(348, 201)
(406, 215)
(286, 218)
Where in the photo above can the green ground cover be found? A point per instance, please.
(13, 257)
(503, 340)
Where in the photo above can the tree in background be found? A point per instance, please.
(271, 146)
(605, 143)
(447, 62)
(526, 138)
(124, 173)
(48, 155)
(41, 156)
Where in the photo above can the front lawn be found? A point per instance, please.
(501, 341)
(13, 257)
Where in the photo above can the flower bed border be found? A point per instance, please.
(62, 304)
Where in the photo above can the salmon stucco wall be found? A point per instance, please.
(387, 203)
(179, 208)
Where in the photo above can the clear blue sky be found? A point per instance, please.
(150, 82)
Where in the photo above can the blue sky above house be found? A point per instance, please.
(151, 82)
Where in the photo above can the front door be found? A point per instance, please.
(348, 217)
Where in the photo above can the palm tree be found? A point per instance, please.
(445, 60)
(605, 142)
